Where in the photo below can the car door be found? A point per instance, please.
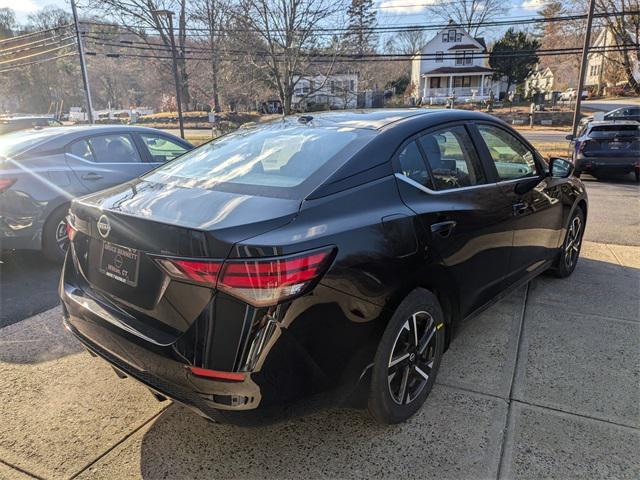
(463, 216)
(101, 161)
(534, 197)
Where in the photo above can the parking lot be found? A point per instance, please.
(545, 384)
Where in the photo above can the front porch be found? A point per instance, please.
(464, 87)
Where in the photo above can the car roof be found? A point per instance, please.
(369, 119)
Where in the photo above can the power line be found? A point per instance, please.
(37, 54)
(387, 57)
(43, 43)
(383, 29)
(36, 62)
(32, 34)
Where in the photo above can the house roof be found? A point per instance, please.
(481, 41)
(475, 69)
(464, 46)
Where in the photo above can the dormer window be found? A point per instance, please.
(439, 57)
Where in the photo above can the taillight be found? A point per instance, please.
(6, 183)
(264, 282)
(198, 271)
(258, 281)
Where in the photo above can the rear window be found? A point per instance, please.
(609, 129)
(273, 158)
(16, 142)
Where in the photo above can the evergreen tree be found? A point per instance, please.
(514, 57)
(360, 37)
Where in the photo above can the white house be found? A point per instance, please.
(596, 75)
(338, 90)
(453, 63)
(539, 81)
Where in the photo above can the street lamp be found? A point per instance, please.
(169, 15)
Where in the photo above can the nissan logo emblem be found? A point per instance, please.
(104, 227)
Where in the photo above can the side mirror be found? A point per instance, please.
(560, 167)
(569, 137)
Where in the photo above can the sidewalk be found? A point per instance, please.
(544, 384)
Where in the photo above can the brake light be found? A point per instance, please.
(259, 282)
(198, 271)
(264, 282)
(5, 183)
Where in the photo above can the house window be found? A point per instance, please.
(452, 35)
(333, 86)
(434, 82)
(352, 85)
(458, 37)
(439, 57)
(445, 38)
(464, 58)
(461, 82)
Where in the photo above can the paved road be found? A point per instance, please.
(543, 384)
(608, 105)
(28, 283)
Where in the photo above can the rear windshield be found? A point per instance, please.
(611, 129)
(17, 142)
(275, 158)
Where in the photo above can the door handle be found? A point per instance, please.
(520, 208)
(443, 229)
(92, 176)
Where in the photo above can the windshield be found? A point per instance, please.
(13, 143)
(280, 156)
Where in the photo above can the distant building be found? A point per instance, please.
(336, 91)
(453, 63)
(601, 70)
(540, 82)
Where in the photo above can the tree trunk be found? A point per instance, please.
(214, 85)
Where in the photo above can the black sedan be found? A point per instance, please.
(325, 258)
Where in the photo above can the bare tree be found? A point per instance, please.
(470, 14)
(140, 18)
(625, 30)
(408, 42)
(214, 15)
(281, 39)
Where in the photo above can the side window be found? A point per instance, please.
(161, 148)
(453, 160)
(412, 165)
(81, 149)
(117, 148)
(512, 158)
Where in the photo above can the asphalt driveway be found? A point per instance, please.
(543, 384)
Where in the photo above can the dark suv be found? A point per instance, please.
(326, 258)
(607, 147)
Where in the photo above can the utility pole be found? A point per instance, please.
(169, 15)
(83, 65)
(583, 68)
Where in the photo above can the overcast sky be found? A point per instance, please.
(392, 12)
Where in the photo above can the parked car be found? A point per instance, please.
(607, 147)
(316, 259)
(42, 170)
(571, 94)
(623, 113)
(14, 124)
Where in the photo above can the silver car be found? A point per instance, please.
(42, 170)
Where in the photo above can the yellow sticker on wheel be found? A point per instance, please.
(440, 325)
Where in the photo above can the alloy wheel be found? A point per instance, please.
(572, 244)
(62, 239)
(412, 358)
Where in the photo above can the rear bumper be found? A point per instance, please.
(620, 165)
(286, 379)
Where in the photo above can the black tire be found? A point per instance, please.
(54, 235)
(570, 251)
(577, 172)
(404, 370)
